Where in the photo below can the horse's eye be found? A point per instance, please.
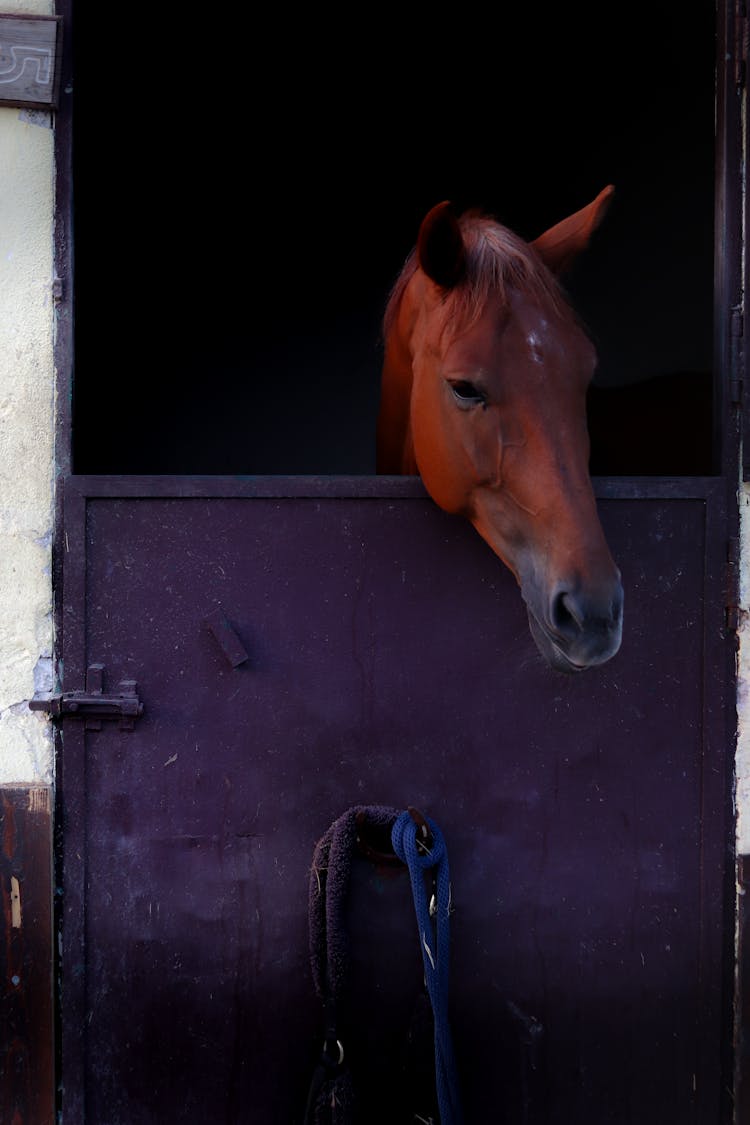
(467, 394)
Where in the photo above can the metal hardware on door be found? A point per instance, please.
(227, 639)
(93, 704)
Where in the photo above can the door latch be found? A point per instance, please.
(93, 704)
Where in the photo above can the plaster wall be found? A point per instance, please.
(26, 432)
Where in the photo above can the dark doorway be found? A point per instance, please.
(236, 237)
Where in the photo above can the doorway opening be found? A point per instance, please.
(235, 245)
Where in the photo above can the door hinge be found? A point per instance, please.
(93, 704)
(732, 607)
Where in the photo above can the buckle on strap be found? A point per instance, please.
(333, 1053)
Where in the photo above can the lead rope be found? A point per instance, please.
(331, 1094)
(422, 856)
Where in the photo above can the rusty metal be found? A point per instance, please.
(27, 1071)
(93, 704)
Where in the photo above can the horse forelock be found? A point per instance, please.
(497, 263)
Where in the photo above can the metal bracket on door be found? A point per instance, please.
(93, 704)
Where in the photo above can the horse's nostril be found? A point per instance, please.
(566, 614)
(573, 614)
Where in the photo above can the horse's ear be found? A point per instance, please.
(440, 246)
(559, 246)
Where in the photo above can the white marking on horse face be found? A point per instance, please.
(535, 347)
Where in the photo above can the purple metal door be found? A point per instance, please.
(389, 661)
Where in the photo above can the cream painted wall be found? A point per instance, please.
(26, 432)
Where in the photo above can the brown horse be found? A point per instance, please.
(484, 395)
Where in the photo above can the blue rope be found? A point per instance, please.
(434, 942)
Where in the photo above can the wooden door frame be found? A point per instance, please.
(731, 423)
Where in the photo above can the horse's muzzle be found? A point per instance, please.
(578, 630)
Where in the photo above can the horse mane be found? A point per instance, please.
(497, 261)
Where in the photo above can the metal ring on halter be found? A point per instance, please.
(425, 842)
(337, 1043)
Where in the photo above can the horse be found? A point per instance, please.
(483, 395)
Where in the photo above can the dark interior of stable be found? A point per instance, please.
(236, 238)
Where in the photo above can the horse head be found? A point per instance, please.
(484, 395)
